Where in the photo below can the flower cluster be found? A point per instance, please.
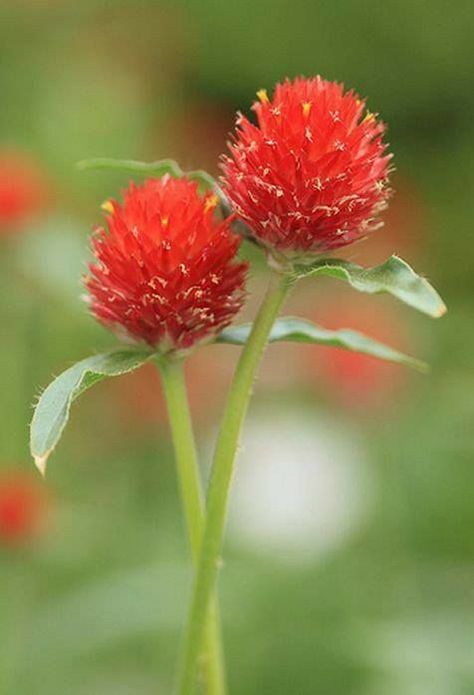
(311, 175)
(165, 273)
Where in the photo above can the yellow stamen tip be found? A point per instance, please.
(263, 96)
(306, 108)
(211, 202)
(107, 206)
(164, 221)
(369, 117)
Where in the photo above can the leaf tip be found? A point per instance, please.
(41, 461)
(422, 367)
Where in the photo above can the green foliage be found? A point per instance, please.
(394, 276)
(52, 411)
(297, 330)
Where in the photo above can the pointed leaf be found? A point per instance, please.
(159, 168)
(394, 276)
(52, 411)
(297, 330)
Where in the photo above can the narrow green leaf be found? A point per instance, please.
(297, 330)
(158, 168)
(52, 411)
(205, 179)
(394, 276)
(131, 166)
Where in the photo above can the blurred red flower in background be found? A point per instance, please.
(311, 176)
(407, 222)
(356, 381)
(22, 507)
(199, 132)
(138, 400)
(23, 189)
(166, 271)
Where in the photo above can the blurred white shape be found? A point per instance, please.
(428, 646)
(302, 486)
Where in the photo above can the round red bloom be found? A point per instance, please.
(22, 506)
(166, 271)
(23, 190)
(311, 175)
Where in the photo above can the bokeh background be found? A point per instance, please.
(349, 562)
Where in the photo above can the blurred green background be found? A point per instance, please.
(349, 561)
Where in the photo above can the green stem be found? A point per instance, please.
(222, 469)
(193, 504)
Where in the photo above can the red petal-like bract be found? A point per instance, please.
(311, 175)
(166, 271)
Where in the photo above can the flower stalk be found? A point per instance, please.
(172, 373)
(221, 476)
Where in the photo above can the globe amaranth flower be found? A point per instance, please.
(22, 507)
(311, 175)
(165, 273)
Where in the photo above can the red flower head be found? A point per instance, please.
(166, 271)
(23, 190)
(22, 507)
(311, 175)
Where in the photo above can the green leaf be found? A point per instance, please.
(297, 330)
(159, 168)
(131, 166)
(394, 276)
(52, 411)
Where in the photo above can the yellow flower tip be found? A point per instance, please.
(263, 96)
(164, 221)
(211, 202)
(369, 117)
(306, 108)
(108, 207)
